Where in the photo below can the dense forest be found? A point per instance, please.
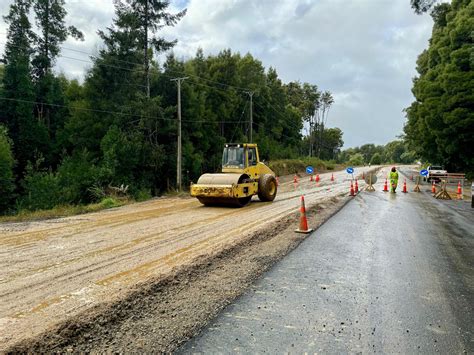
(64, 141)
(440, 125)
(68, 141)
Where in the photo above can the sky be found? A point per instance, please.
(363, 51)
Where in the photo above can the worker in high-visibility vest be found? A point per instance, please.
(393, 177)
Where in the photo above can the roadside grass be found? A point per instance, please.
(293, 166)
(64, 210)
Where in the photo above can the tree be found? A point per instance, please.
(6, 170)
(356, 159)
(421, 6)
(151, 16)
(376, 159)
(441, 120)
(50, 20)
(27, 134)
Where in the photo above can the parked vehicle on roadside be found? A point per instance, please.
(435, 172)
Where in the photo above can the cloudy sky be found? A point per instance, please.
(363, 51)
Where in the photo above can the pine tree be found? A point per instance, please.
(151, 16)
(50, 20)
(27, 134)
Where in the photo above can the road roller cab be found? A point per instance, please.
(243, 175)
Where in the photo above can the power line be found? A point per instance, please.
(111, 112)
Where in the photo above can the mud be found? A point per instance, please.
(163, 313)
(69, 271)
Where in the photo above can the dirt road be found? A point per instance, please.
(56, 269)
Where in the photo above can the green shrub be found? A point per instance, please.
(110, 202)
(42, 190)
(356, 159)
(77, 174)
(376, 159)
(6, 170)
(292, 166)
(142, 195)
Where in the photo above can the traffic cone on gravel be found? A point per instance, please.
(295, 179)
(363, 176)
(303, 221)
(459, 191)
(405, 186)
(433, 188)
(385, 186)
(332, 177)
(317, 178)
(311, 178)
(352, 189)
(356, 188)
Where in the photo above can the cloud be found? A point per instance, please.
(363, 51)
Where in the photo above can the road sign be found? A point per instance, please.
(350, 170)
(424, 172)
(309, 170)
(370, 179)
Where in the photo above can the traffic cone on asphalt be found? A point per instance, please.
(352, 189)
(311, 178)
(303, 221)
(332, 177)
(433, 188)
(405, 186)
(385, 186)
(356, 188)
(459, 191)
(317, 178)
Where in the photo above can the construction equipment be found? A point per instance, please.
(243, 175)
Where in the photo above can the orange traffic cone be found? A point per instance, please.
(311, 178)
(433, 188)
(459, 190)
(295, 179)
(332, 177)
(303, 221)
(385, 186)
(363, 176)
(405, 186)
(356, 188)
(352, 189)
(317, 178)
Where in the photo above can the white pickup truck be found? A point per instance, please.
(434, 173)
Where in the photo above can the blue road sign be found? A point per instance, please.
(424, 172)
(309, 170)
(350, 170)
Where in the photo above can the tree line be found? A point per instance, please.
(440, 122)
(64, 141)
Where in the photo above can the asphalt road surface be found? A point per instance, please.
(390, 273)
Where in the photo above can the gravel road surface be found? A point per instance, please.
(55, 270)
(389, 273)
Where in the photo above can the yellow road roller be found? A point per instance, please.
(243, 175)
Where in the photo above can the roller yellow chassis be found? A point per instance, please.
(225, 191)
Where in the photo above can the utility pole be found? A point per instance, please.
(250, 93)
(178, 163)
